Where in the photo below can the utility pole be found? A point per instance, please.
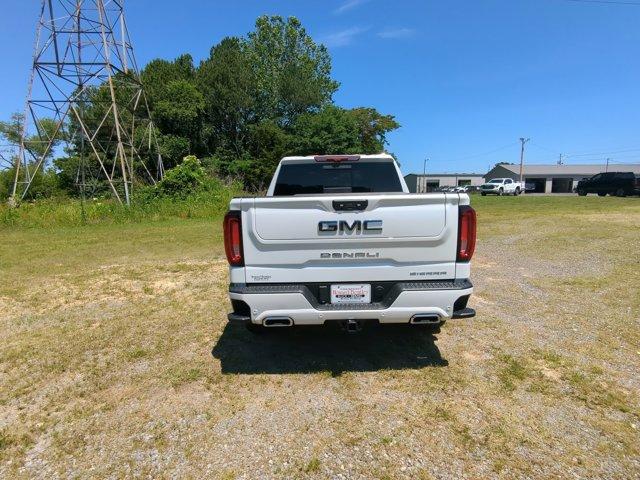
(606, 168)
(424, 174)
(560, 160)
(522, 142)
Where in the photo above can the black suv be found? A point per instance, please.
(620, 184)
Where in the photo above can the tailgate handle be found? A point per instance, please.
(349, 205)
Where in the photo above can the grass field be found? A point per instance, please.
(116, 360)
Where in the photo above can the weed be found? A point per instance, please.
(228, 475)
(597, 393)
(512, 372)
(313, 466)
(178, 375)
(136, 353)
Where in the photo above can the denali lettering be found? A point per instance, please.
(357, 226)
(351, 255)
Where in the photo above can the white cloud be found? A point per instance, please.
(393, 33)
(342, 38)
(348, 5)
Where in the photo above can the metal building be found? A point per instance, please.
(555, 178)
(433, 181)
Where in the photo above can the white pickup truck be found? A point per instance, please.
(339, 238)
(501, 186)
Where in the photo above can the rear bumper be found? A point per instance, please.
(402, 302)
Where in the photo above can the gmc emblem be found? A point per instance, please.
(343, 226)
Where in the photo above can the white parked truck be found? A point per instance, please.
(340, 238)
(502, 186)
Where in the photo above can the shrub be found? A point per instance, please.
(180, 181)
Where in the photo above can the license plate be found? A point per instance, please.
(351, 293)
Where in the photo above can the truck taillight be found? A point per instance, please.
(466, 233)
(233, 238)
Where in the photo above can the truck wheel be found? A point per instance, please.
(501, 191)
(517, 192)
(582, 193)
(602, 194)
(621, 193)
(483, 194)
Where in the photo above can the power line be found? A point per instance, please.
(606, 2)
(593, 154)
(485, 153)
(543, 148)
(603, 153)
(566, 158)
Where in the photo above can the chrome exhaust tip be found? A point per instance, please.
(277, 322)
(425, 319)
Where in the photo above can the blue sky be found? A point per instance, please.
(465, 78)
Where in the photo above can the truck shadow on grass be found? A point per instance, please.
(326, 349)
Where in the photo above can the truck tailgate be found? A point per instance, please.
(395, 237)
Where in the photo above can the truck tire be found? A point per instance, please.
(517, 192)
(621, 193)
(483, 194)
(500, 191)
(582, 193)
(602, 194)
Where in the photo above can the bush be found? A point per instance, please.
(173, 148)
(45, 184)
(180, 181)
(211, 201)
(185, 192)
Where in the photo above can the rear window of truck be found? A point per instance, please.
(316, 178)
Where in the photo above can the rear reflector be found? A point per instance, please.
(466, 233)
(337, 158)
(233, 238)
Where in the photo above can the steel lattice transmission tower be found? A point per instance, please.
(86, 84)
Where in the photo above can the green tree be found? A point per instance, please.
(44, 182)
(11, 130)
(268, 144)
(180, 110)
(173, 149)
(228, 87)
(35, 143)
(336, 130)
(292, 72)
(158, 73)
(372, 128)
(177, 106)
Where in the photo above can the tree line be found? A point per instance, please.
(253, 100)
